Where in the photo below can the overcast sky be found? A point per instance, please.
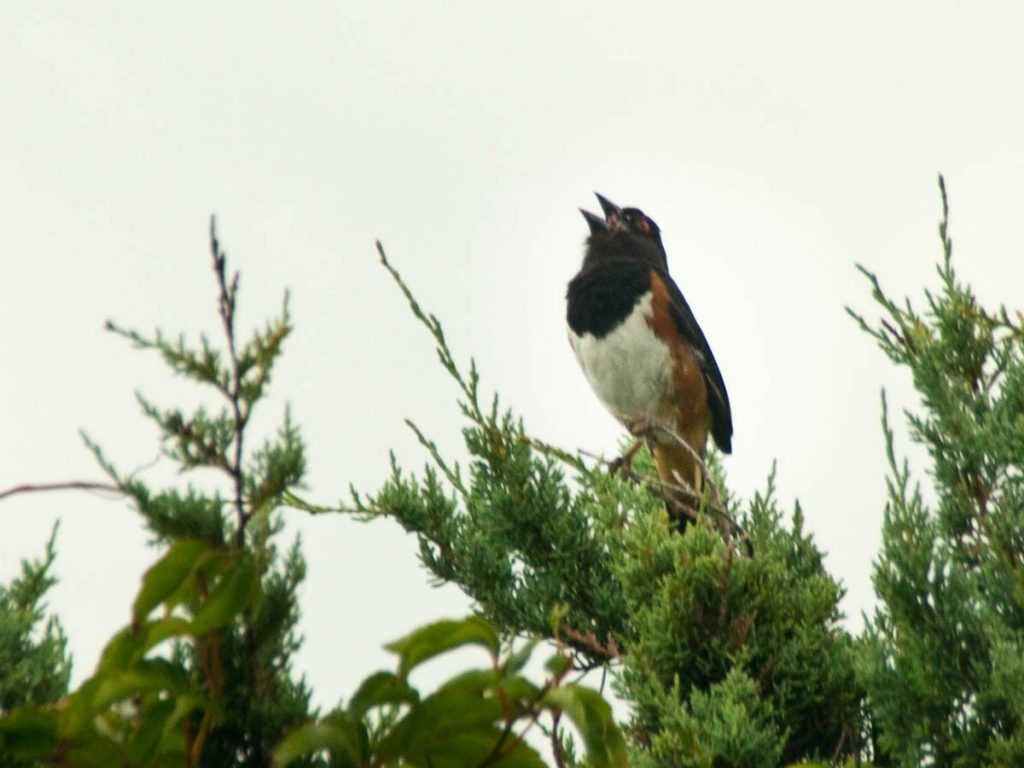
(776, 144)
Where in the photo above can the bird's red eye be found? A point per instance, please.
(644, 226)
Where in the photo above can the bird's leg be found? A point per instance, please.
(624, 463)
(642, 429)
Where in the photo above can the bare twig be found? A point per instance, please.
(78, 485)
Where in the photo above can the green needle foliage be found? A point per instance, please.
(724, 642)
(943, 657)
(34, 663)
(725, 659)
(202, 674)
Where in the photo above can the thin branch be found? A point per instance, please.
(682, 497)
(556, 743)
(588, 640)
(653, 485)
(82, 485)
(500, 751)
(226, 308)
(228, 293)
(730, 528)
(700, 463)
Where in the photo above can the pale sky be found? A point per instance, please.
(776, 145)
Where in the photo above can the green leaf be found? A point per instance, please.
(230, 597)
(78, 712)
(148, 676)
(121, 650)
(164, 577)
(518, 659)
(155, 632)
(558, 664)
(440, 637)
(592, 716)
(152, 726)
(94, 750)
(379, 689)
(458, 748)
(28, 732)
(521, 756)
(344, 737)
(457, 708)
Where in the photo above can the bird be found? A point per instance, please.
(642, 350)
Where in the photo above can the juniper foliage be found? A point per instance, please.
(724, 658)
(222, 691)
(202, 675)
(943, 656)
(33, 648)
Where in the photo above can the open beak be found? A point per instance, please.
(612, 216)
(610, 209)
(595, 222)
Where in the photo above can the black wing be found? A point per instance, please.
(718, 398)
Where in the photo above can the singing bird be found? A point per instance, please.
(640, 346)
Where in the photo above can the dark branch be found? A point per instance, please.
(82, 485)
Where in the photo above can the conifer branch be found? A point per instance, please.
(226, 303)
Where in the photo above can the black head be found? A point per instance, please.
(623, 233)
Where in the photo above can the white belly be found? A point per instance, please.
(630, 369)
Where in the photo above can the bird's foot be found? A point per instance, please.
(623, 465)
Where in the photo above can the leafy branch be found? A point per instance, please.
(201, 674)
(479, 718)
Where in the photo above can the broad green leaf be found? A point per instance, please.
(164, 577)
(557, 664)
(28, 732)
(378, 689)
(440, 637)
(518, 659)
(519, 693)
(455, 708)
(521, 756)
(484, 684)
(130, 645)
(94, 750)
(344, 738)
(153, 633)
(458, 748)
(230, 597)
(592, 716)
(121, 650)
(473, 683)
(152, 725)
(79, 712)
(147, 676)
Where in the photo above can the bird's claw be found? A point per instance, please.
(623, 465)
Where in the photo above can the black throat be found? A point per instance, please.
(614, 246)
(615, 275)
